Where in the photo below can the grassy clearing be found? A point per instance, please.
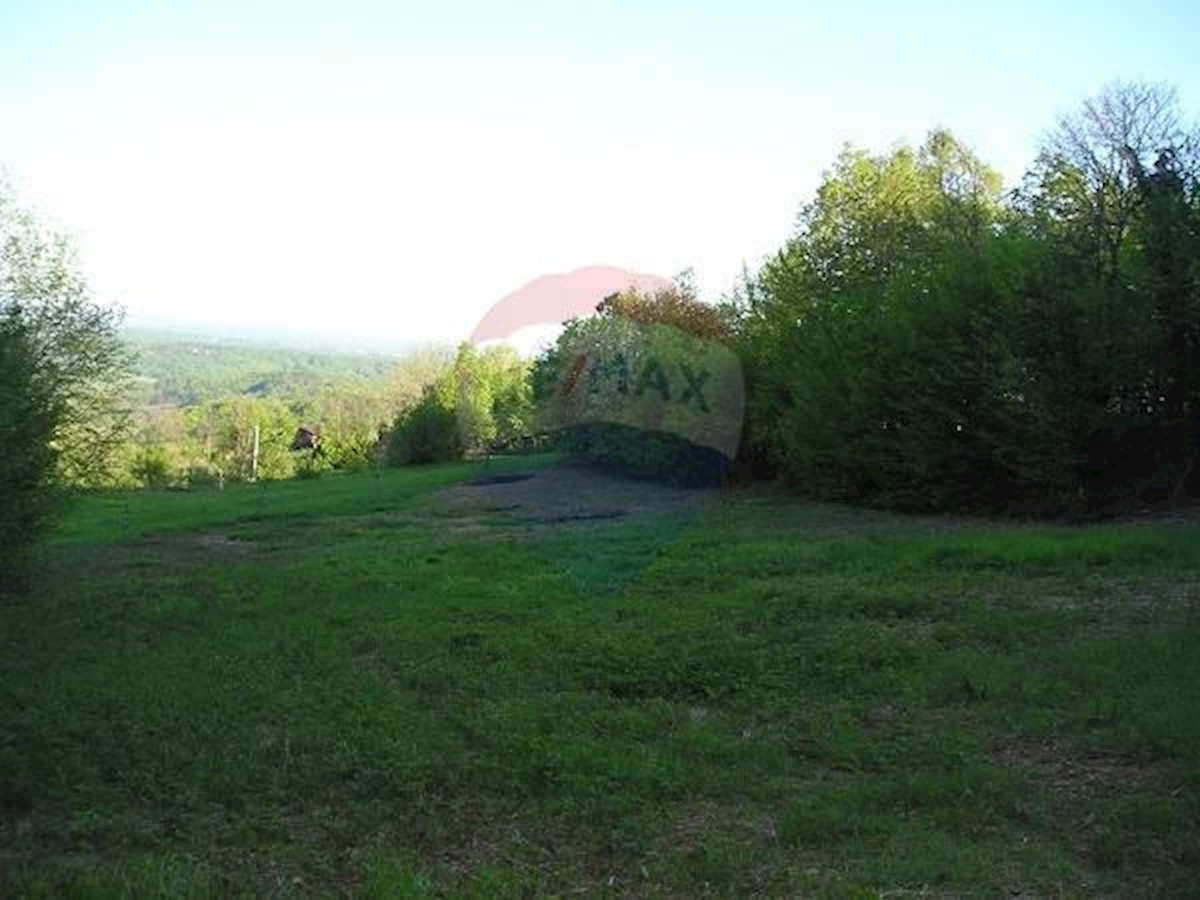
(351, 686)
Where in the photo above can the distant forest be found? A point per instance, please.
(197, 402)
(183, 370)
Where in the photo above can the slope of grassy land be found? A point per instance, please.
(355, 686)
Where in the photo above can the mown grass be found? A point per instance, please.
(350, 687)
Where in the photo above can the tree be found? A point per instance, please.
(871, 340)
(29, 414)
(425, 433)
(473, 398)
(222, 434)
(1087, 179)
(78, 358)
(480, 402)
(1111, 204)
(922, 343)
(405, 382)
(1169, 232)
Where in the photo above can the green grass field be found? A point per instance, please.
(352, 686)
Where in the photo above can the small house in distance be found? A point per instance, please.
(306, 439)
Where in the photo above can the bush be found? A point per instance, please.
(481, 403)
(353, 452)
(153, 468)
(225, 429)
(489, 393)
(655, 455)
(647, 387)
(311, 466)
(28, 418)
(82, 362)
(426, 433)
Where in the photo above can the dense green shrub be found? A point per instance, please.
(82, 363)
(480, 404)
(222, 437)
(925, 342)
(426, 433)
(153, 467)
(312, 465)
(655, 455)
(29, 414)
(646, 387)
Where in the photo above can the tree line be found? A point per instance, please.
(187, 370)
(206, 436)
(928, 341)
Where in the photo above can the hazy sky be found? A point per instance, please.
(389, 170)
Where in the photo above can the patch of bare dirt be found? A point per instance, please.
(220, 543)
(1066, 772)
(171, 552)
(569, 496)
